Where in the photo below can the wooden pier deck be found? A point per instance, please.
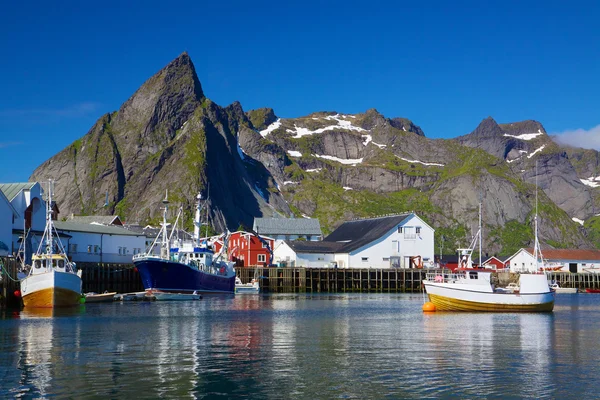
(124, 278)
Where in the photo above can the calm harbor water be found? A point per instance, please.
(300, 346)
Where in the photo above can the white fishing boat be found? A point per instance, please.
(252, 287)
(556, 287)
(166, 296)
(105, 297)
(52, 280)
(470, 289)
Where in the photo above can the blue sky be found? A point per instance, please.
(444, 65)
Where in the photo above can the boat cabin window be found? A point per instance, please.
(37, 264)
(473, 275)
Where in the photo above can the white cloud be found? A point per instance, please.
(73, 111)
(9, 144)
(587, 139)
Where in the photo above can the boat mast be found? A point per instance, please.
(49, 249)
(479, 265)
(537, 252)
(197, 220)
(164, 249)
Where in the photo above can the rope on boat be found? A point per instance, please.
(2, 269)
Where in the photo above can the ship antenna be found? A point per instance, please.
(165, 240)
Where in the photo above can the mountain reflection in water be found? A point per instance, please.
(299, 346)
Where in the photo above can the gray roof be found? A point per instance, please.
(320, 247)
(11, 190)
(352, 235)
(100, 219)
(287, 226)
(93, 228)
(2, 196)
(151, 232)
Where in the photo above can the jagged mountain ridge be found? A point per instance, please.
(328, 165)
(168, 135)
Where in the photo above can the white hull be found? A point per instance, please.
(449, 298)
(566, 290)
(247, 288)
(51, 289)
(175, 296)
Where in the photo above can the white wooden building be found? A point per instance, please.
(100, 243)
(401, 241)
(27, 201)
(288, 228)
(565, 260)
(8, 214)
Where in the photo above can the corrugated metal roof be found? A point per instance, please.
(569, 254)
(3, 197)
(287, 226)
(320, 247)
(11, 190)
(93, 228)
(364, 231)
(351, 235)
(100, 219)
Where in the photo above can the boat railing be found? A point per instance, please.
(444, 277)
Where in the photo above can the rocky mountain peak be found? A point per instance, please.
(261, 117)
(523, 127)
(406, 125)
(487, 128)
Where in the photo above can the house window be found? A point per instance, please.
(96, 249)
(264, 245)
(409, 232)
(365, 259)
(399, 229)
(262, 258)
(73, 248)
(418, 230)
(89, 248)
(386, 259)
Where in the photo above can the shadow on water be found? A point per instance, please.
(300, 346)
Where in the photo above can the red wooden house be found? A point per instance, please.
(495, 262)
(246, 249)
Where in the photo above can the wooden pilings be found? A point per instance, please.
(9, 282)
(101, 277)
(581, 281)
(335, 280)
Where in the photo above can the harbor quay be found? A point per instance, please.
(124, 278)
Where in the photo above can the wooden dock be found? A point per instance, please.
(124, 278)
(9, 282)
(335, 280)
(101, 277)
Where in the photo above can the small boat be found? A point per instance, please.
(470, 289)
(253, 287)
(184, 266)
(165, 296)
(134, 296)
(105, 297)
(52, 280)
(589, 290)
(556, 288)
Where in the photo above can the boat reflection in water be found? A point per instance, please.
(43, 358)
(478, 347)
(32, 313)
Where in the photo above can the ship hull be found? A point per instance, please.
(452, 299)
(169, 276)
(51, 289)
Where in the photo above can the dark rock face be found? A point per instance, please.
(261, 117)
(522, 144)
(334, 166)
(168, 135)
